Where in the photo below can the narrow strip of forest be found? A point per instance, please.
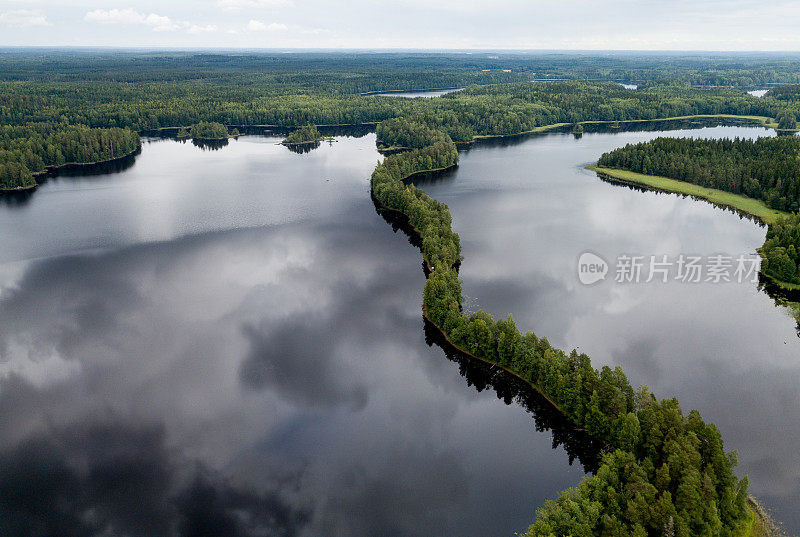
(668, 471)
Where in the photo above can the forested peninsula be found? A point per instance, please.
(664, 472)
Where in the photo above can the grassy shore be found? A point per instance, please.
(760, 524)
(751, 206)
(768, 122)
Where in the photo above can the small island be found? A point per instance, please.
(207, 131)
(306, 135)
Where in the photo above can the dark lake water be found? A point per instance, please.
(233, 339)
(527, 211)
(212, 336)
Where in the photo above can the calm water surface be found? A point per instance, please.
(232, 340)
(526, 212)
(412, 94)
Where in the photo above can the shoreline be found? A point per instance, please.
(78, 165)
(307, 142)
(53, 171)
(763, 121)
(752, 207)
(380, 92)
(410, 229)
(202, 139)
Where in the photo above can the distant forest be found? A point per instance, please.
(65, 92)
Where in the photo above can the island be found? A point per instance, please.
(305, 135)
(207, 131)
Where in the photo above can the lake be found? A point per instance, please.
(208, 335)
(413, 94)
(527, 210)
(233, 337)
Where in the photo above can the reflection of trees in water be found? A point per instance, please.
(786, 298)
(210, 145)
(481, 375)
(620, 127)
(16, 198)
(301, 149)
(782, 297)
(21, 198)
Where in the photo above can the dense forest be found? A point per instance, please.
(767, 168)
(665, 473)
(26, 150)
(781, 250)
(143, 92)
(362, 72)
(789, 92)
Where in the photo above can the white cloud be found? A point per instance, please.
(23, 18)
(159, 23)
(195, 29)
(114, 16)
(235, 5)
(258, 26)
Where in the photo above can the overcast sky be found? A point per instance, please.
(456, 24)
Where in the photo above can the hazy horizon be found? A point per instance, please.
(447, 25)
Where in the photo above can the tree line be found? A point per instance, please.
(767, 168)
(664, 473)
(142, 92)
(30, 149)
(781, 250)
(304, 135)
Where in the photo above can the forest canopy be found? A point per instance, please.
(304, 135)
(767, 168)
(145, 92)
